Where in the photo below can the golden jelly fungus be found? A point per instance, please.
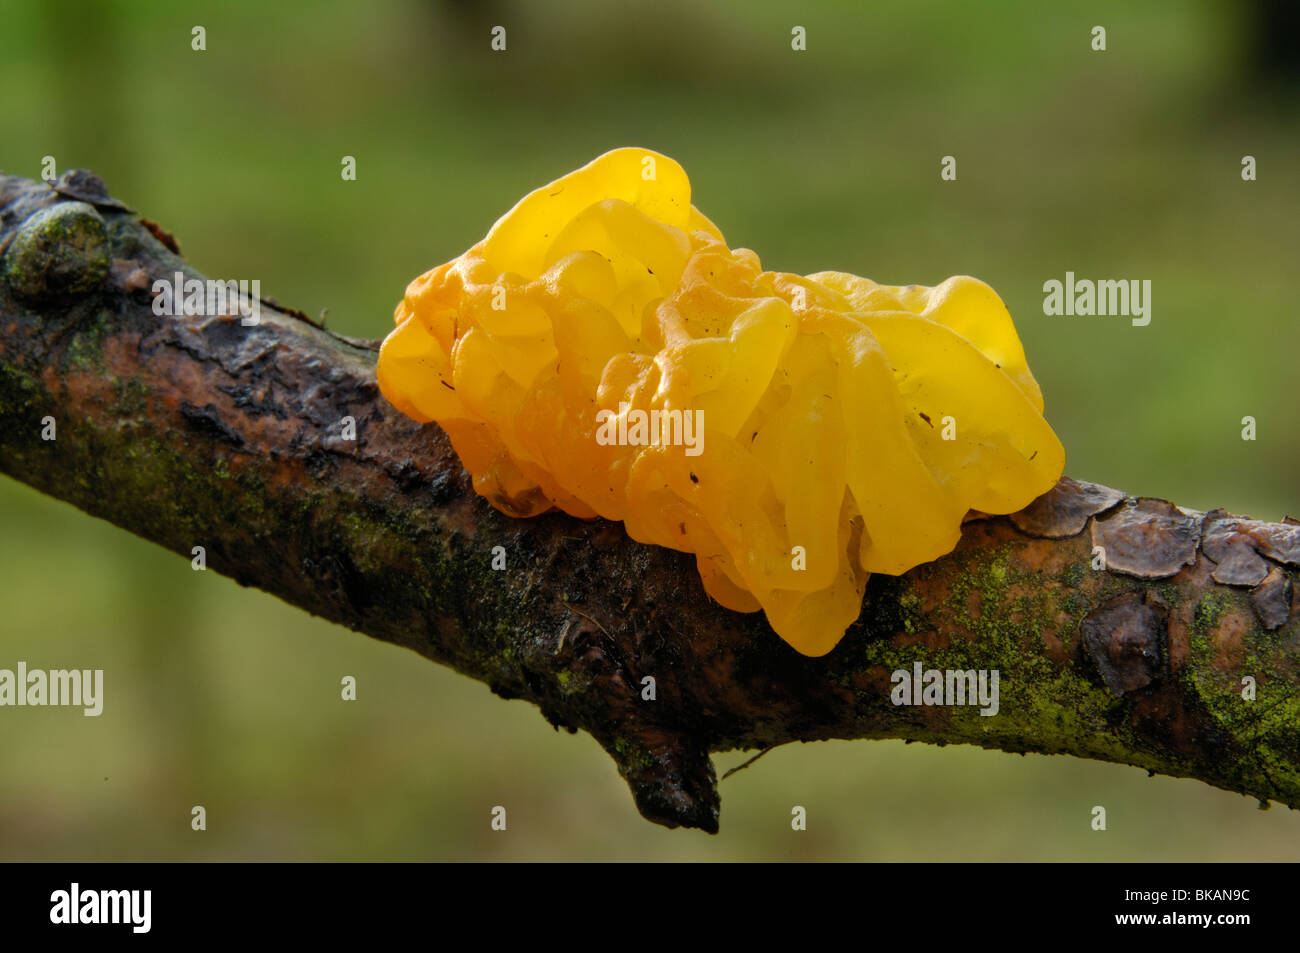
(603, 351)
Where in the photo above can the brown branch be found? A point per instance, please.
(201, 431)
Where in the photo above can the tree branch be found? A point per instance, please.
(201, 431)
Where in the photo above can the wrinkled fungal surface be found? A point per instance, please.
(603, 351)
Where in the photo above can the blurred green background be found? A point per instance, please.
(1124, 163)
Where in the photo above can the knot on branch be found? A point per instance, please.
(60, 251)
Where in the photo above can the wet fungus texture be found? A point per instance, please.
(818, 429)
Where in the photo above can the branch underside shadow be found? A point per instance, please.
(1179, 654)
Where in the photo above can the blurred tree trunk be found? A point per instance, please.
(1273, 39)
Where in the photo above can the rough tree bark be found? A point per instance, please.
(199, 430)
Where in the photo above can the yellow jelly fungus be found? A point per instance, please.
(809, 430)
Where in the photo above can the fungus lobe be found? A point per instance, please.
(603, 351)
